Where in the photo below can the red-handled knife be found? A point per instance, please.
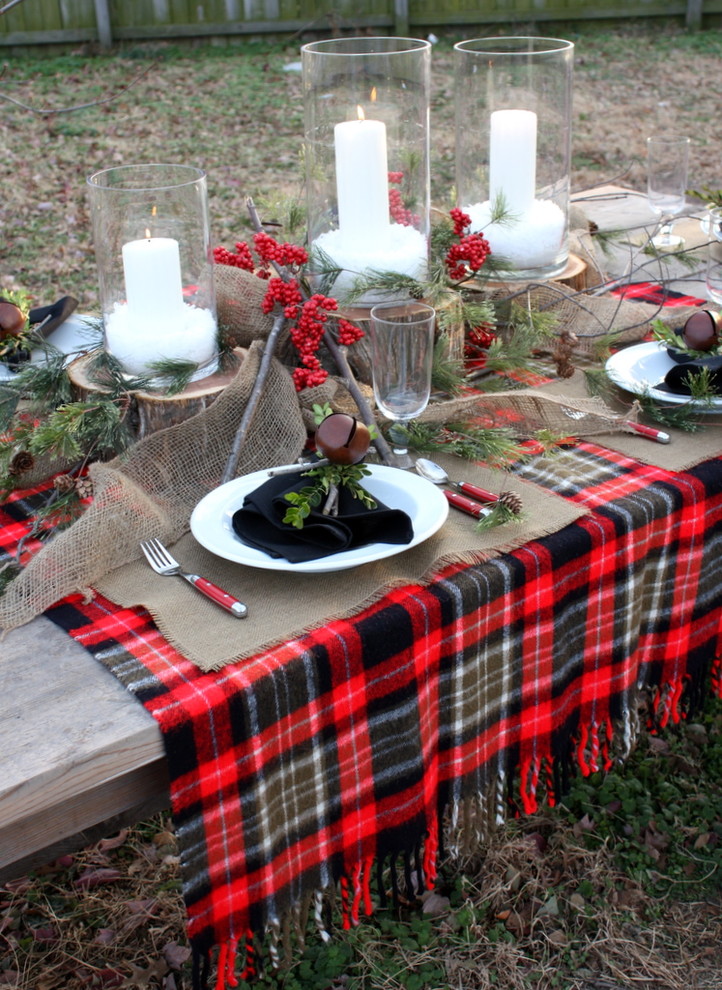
(648, 431)
(473, 491)
(467, 505)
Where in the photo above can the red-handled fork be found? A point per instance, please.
(166, 565)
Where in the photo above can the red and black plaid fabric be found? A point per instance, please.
(321, 759)
(659, 295)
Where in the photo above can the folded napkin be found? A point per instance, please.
(686, 367)
(259, 523)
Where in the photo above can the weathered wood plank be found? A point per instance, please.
(60, 37)
(103, 22)
(77, 13)
(77, 748)
(693, 18)
(250, 27)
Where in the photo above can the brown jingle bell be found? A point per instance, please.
(342, 439)
(12, 320)
(702, 330)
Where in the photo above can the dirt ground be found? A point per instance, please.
(238, 113)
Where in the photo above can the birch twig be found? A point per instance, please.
(339, 357)
(249, 411)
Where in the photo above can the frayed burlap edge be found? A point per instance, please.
(152, 489)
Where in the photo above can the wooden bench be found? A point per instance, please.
(80, 756)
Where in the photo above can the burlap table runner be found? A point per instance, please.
(685, 450)
(283, 605)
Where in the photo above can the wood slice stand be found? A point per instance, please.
(153, 411)
(574, 275)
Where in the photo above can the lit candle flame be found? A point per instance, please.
(373, 95)
(147, 233)
(360, 112)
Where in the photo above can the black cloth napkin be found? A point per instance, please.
(686, 367)
(259, 523)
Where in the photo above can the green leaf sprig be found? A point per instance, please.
(311, 496)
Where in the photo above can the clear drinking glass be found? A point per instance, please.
(667, 161)
(711, 223)
(402, 347)
(714, 274)
(714, 256)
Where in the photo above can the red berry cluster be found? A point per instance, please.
(309, 317)
(241, 259)
(470, 253)
(287, 294)
(306, 336)
(400, 213)
(348, 333)
(478, 341)
(269, 250)
(461, 221)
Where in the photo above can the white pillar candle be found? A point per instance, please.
(362, 183)
(512, 159)
(153, 285)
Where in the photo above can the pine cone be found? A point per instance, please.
(64, 484)
(564, 353)
(21, 461)
(84, 487)
(511, 501)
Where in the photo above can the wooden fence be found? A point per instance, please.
(43, 22)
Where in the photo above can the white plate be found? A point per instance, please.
(639, 368)
(423, 502)
(74, 336)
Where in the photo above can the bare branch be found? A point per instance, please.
(249, 411)
(9, 6)
(339, 356)
(48, 111)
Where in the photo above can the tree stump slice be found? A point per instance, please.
(359, 356)
(153, 411)
(574, 275)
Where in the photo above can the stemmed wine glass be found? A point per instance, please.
(402, 347)
(714, 257)
(667, 159)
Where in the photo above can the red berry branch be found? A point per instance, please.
(308, 315)
(469, 253)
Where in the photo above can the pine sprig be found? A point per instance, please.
(530, 331)
(684, 416)
(499, 515)
(685, 258)
(323, 272)
(447, 373)
(707, 195)
(391, 284)
(609, 239)
(44, 384)
(72, 430)
(496, 446)
(9, 400)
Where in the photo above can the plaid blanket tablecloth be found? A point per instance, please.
(316, 763)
